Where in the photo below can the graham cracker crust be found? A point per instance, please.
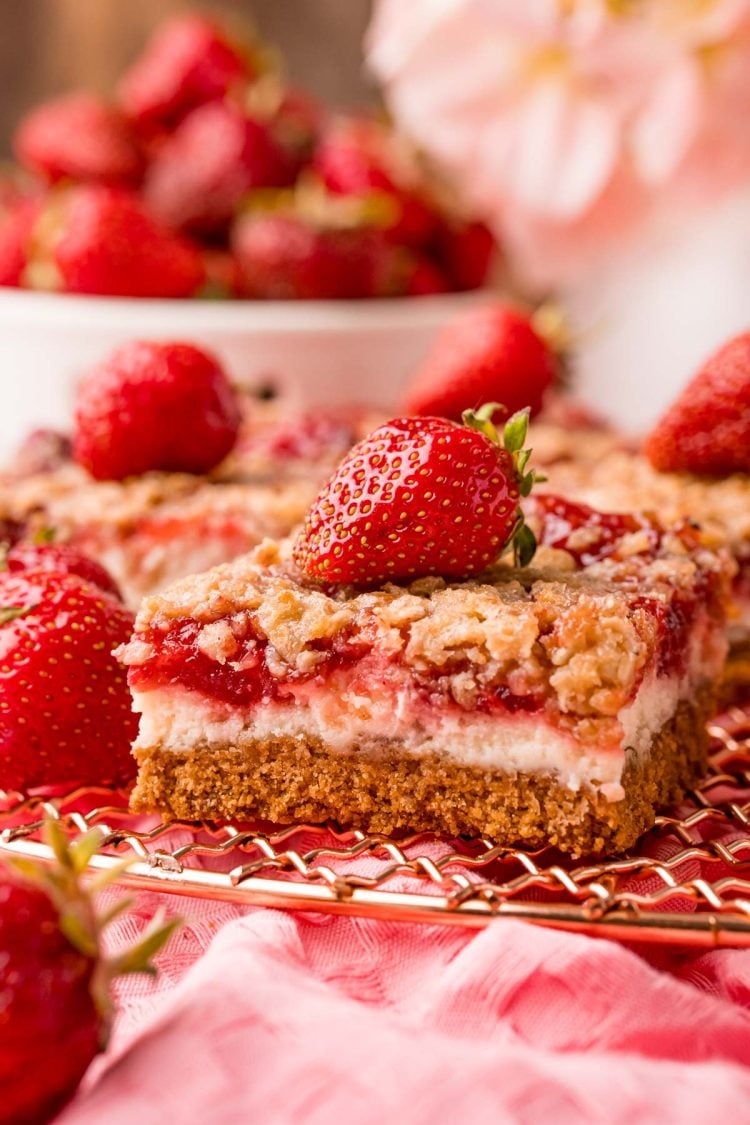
(288, 779)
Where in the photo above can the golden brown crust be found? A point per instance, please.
(288, 779)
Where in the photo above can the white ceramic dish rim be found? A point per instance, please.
(293, 316)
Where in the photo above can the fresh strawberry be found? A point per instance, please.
(707, 429)
(464, 251)
(188, 62)
(362, 158)
(101, 240)
(62, 559)
(65, 706)
(216, 155)
(295, 124)
(16, 228)
(55, 979)
(489, 352)
(424, 277)
(78, 137)
(421, 496)
(285, 255)
(150, 406)
(42, 451)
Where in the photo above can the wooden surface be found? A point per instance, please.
(49, 46)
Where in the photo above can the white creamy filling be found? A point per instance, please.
(514, 743)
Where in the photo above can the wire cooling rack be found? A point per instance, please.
(687, 882)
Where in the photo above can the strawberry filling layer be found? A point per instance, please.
(246, 680)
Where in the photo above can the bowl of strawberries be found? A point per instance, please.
(316, 254)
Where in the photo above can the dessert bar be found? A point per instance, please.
(563, 703)
(625, 481)
(148, 531)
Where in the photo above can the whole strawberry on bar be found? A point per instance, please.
(101, 241)
(422, 496)
(65, 708)
(155, 406)
(56, 1006)
(78, 137)
(707, 429)
(188, 62)
(492, 352)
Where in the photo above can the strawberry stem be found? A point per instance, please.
(10, 613)
(522, 539)
(79, 920)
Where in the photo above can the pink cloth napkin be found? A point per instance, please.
(306, 1018)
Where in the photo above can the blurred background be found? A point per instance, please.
(48, 47)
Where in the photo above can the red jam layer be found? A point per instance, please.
(562, 518)
(246, 679)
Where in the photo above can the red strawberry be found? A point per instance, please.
(16, 228)
(284, 255)
(490, 352)
(189, 61)
(78, 137)
(707, 429)
(104, 242)
(424, 277)
(295, 125)
(152, 406)
(216, 155)
(363, 158)
(421, 496)
(55, 981)
(62, 559)
(465, 252)
(65, 708)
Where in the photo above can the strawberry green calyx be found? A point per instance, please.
(82, 925)
(10, 613)
(513, 437)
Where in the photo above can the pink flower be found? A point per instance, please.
(571, 122)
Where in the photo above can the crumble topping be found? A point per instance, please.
(553, 443)
(69, 501)
(625, 482)
(582, 638)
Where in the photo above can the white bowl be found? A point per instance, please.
(313, 352)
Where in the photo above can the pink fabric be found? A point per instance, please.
(306, 1018)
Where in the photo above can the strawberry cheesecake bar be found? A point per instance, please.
(150, 530)
(561, 703)
(627, 482)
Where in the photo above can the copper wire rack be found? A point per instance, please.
(686, 883)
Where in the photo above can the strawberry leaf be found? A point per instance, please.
(481, 420)
(524, 545)
(515, 430)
